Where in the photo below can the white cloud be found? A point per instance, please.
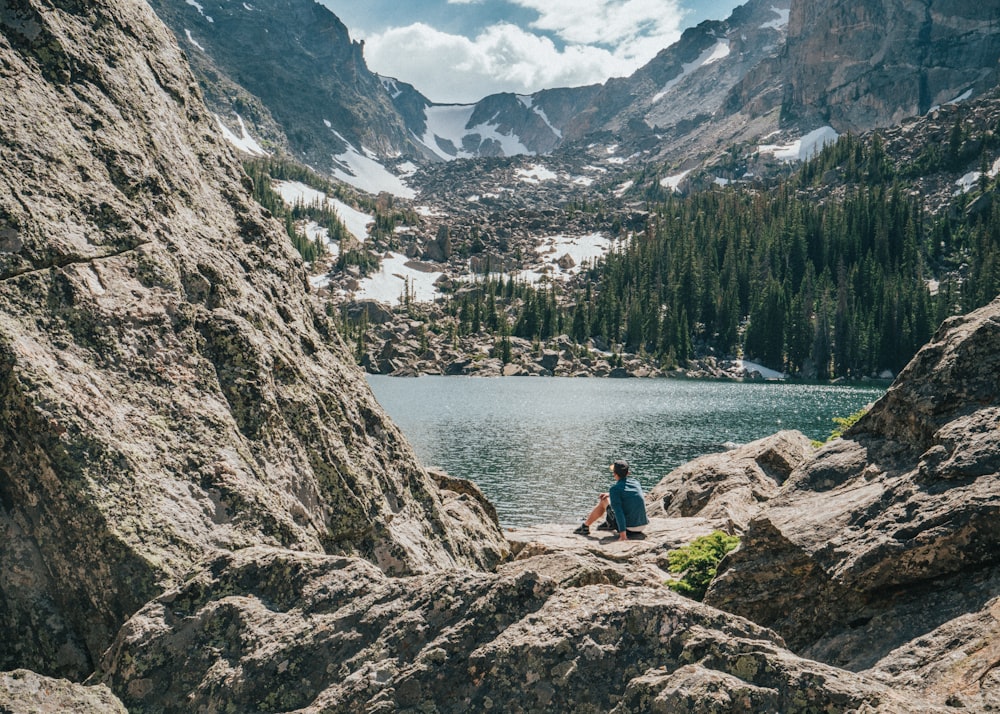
(503, 58)
(601, 39)
(618, 23)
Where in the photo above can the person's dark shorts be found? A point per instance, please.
(611, 524)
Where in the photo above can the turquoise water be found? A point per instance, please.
(539, 448)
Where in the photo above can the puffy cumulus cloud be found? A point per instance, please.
(625, 25)
(502, 58)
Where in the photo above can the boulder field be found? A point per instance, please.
(203, 508)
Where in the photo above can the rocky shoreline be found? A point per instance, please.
(400, 345)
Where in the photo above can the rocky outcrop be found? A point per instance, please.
(168, 387)
(25, 691)
(268, 630)
(883, 548)
(861, 65)
(729, 488)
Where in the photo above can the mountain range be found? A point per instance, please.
(540, 186)
(286, 74)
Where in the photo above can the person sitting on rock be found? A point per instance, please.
(624, 506)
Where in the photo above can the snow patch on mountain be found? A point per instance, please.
(582, 249)
(780, 23)
(718, 51)
(962, 97)
(397, 275)
(968, 182)
(294, 192)
(764, 372)
(971, 179)
(200, 9)
(673, 182)
(448, 128)
(316, 232)
(804, 148)
(407, 168)
(529, 103)
(244, 142)
(535, 174)
(363, 171)
(620, 191)
(192, 40)
(391, 86)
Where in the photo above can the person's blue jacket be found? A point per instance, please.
(628, 503)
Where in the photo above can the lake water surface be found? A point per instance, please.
(539, 448)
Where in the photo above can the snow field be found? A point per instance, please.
(354, 220)
(450, 122)
(245, 142)
(388, 285)
(764, 371)
(714, 53)
(364, 172)
(804, 148)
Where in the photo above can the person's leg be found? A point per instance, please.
(599, 510)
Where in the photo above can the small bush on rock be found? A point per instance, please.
(697, 563)
(843, 424)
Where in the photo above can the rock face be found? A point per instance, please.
(678, 91)
(24, 691)
(291, 71)
(729, 488)
(773, 64)
(315, 633)
(883, 548)
(168, 388)
(860, 65)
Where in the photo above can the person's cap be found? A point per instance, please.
(620, 467)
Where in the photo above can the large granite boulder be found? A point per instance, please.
(728, 488)
(889, 538)
(168, 387)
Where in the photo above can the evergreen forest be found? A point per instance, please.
(816, 282)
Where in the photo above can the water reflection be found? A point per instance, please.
(540, 448)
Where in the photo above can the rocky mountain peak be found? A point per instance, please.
(290, 70)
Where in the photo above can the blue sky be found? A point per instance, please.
(463, 50)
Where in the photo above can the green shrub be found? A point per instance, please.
(697, 563)
(843, 424)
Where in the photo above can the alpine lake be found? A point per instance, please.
(539, 447)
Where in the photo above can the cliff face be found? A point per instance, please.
(290, 69)
(168, 388)
(861, 65)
